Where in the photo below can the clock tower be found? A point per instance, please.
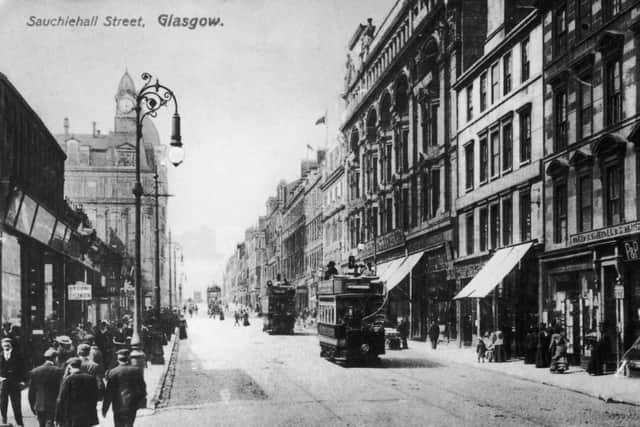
(125, 119)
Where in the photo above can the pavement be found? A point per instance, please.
(239, 376)
(610, 388)
(153, 374)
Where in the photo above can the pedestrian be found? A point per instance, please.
(182, 326)
(126, 392)
(221, 314)
(13, 371)
(530, 343)
(90, 367)
(403, 330)
(245, 320)
(498, 346)
(434, 334)
(43, 389)
(481, 350)
(236, 316)
(65, 349)
(542, 348)
(78, 397)
(558, 352)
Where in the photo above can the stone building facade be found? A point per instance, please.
(100, 176)
(333, 187)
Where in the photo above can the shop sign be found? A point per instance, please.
(464, 271)
(383, 243)
(605, 233)
(79, 292)
(618, 291)
(437, 261)
(631, 250)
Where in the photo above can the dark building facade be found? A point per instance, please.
(589, 281)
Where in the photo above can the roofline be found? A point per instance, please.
(5, 79)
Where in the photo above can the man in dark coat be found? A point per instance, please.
(434, 334)
(126, 392)
(12, 377)
(76, 404)
(90, 367)
(44, 387)
(403, 330)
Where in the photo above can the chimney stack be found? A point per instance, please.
(66, 126)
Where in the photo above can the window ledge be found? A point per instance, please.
(525, 162)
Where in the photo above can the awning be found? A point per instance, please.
(384, 270)
(402, 270)
(500, 264)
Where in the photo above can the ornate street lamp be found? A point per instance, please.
(151, 97)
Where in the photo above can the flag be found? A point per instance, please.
(322, 120)
(309, 147)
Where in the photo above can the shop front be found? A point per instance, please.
(591, 291)
(499, 294)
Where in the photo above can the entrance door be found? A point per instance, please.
(609, 327)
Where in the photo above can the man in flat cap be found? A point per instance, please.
(76, 403)
(126, 391)
(90, 367)
(12, 377)
(44, 387)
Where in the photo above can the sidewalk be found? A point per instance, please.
(153, 375)
(605, 387)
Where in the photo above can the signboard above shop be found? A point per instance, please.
(79, 292)
(605, 233)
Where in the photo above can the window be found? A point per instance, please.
(506, 73)
(507, 146)
(470, 103)
(495, 153)
(611, 8)
(560, 112)
(435, 191)
(585, 90)
(525, 135)
(524, 59)
(468, 161)
(484, 160)
(560, 25)
(469, 232)
(495, 225)
(425, 196)
(585, 211)
(484, 229)
(560, 211)
(483, 92)
(613, 91)
(585, 16)
(405, 150)
(405, 208)
(495, 83)
(614, 194)
(388, 157)
(434, 124)
(414, 201)
(389, 213)
(374, 172)
(507, 221)
(525, 215)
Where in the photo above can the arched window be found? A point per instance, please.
(402, 96)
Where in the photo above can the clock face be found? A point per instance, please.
(125, 105)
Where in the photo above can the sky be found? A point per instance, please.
(249, 93)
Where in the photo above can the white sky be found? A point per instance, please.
(249, 94)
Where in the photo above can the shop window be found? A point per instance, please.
(468, 161)
(483, 92)
(613, 91)
(507, 221)
(469, 232)
(613, 193)
(506, 67)
(495, 225)
(525, 62)
(525, 215)
(525, 135)
(484, 229)
(560, 211)
(507, 146)
(585, 202)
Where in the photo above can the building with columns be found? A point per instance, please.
(100, 176)
(400, 166)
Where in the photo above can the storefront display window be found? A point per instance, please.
(11, 283)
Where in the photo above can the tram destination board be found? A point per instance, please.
(349, 284)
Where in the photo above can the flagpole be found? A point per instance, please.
(326, 129)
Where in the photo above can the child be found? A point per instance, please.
(481, 349)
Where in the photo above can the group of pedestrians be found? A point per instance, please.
(241, 315)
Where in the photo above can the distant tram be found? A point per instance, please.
(350, 322)
(279, 307)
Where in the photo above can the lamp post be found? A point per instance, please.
(151, 97)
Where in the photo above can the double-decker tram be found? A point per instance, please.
(350, 323)
(280, 309)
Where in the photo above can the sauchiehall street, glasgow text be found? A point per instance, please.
(85, 21)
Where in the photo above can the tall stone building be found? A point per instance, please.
(401, 167)
(100, 176)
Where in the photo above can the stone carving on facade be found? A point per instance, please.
(367, 38)
(350, 71)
